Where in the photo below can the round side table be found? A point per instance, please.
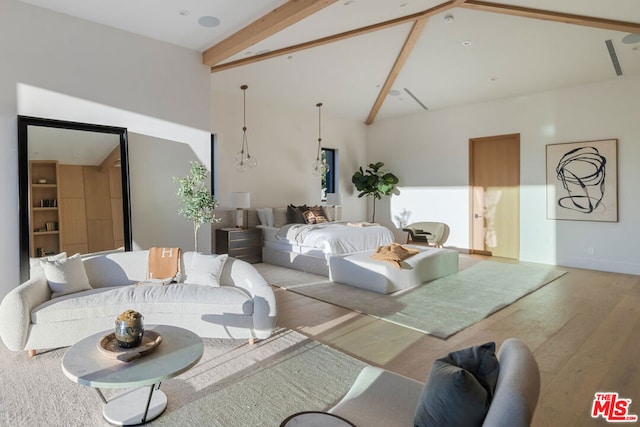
(315, 419)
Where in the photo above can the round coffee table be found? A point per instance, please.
(85, 364)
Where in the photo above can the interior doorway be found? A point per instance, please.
(494, 175)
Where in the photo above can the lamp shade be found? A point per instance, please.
(240, 200)
(334, 199)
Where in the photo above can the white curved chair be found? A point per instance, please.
(431, 233)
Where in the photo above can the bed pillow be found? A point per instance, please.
(205, 269)
(265, 215)
(459, 389)
(294, 214)
(328, 213)
(65, 275)
(279, 217)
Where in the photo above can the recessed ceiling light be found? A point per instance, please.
(404, 4)
(448, 19)
(631, 38)
(184, 12)
(466, 43)
(394, 92)
(208, 21)
(348, 2)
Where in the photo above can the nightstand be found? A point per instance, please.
(240, 243)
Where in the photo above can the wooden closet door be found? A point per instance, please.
(495, 195)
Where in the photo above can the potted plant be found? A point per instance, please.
(374, 182)
(197, 201)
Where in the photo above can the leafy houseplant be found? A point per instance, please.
(197, 201)
(374, 182)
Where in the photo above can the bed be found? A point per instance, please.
(308, 247)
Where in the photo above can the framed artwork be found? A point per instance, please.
(582, 180)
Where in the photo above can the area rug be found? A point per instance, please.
(441, 307)
(234, 384)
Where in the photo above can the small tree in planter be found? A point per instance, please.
(197, 201)
(374, 182)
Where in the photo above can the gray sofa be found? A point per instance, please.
(242, 307)
(380, 398)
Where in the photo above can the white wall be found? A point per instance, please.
(55, 66)
(429, 152)
(284, 141)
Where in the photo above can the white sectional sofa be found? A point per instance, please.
(243, 306)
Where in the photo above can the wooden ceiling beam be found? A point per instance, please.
(338, 37)
(408, 46)
(566, 18)
(271, 23)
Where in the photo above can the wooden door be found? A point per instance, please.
(494, 173)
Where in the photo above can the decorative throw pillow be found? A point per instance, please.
(459, 389)
(35, 264)
(314, 215)
(205, 269)
(294, 214)
(65, 275)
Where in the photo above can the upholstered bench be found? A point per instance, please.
(361, 271)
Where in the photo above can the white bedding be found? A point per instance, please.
(334, 237)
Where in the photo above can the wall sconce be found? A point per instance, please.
(335, 200)
(241, 201)
(244, 160)
(320, 166)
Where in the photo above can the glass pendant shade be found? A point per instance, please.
(319, 166)
(244, 160)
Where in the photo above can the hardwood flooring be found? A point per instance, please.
(583, 328)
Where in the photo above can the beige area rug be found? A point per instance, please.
(441, 307)
(234, 384)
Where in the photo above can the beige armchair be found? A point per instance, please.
(431, 233)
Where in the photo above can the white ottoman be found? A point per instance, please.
(363, 272)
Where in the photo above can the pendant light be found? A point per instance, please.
(320, 166)
(244, 160)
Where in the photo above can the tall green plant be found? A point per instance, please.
(374, 182)
(197, 201)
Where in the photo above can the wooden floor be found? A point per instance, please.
(583, 328)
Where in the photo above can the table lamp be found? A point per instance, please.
(240, 201)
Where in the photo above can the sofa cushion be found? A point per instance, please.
(175, 298)
(65, 275)
(205, 269)
(117, 268)
(459, 389)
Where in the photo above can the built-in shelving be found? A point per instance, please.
(44, 218)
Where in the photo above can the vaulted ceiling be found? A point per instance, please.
(377, 59)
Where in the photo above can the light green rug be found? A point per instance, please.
(234, 384)
(441, 307)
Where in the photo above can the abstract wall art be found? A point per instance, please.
(582, 181)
